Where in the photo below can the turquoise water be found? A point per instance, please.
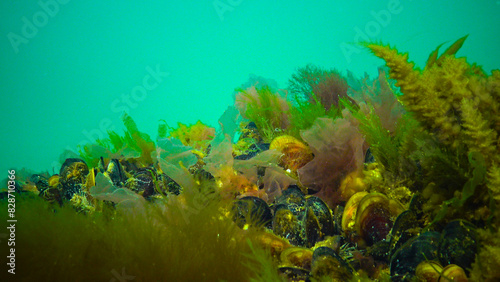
(69, 69)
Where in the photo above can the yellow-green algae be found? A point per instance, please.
(178, 242)
(458, 105)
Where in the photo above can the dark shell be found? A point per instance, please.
(381, 251)
(294, 200)
(169, 185)
(143, 182)
(405, 227)
(318, 221)
(458, 244)
(202, 175)
(252, 210)
(116, 173)
(287, 225)
(70, 163)
(41, 182)
(74, 171)
(251, 131)
(327, 263)
(52, 195)
(294, 273)
(369, 158)
(73, 175)
(418, 249)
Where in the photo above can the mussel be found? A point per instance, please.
(287, 225)
(458, 244)
(368, 217)
(326, 263)
(428, 271)
(144, 182)
(294, 153)
(297, 257)
(73, 175)
(416, 250)
(115, 172)
(302, 220)
(318, 221)
(253, 211)
(294, 273)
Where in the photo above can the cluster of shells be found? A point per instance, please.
(370, 235)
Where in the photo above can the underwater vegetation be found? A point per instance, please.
(337, 178)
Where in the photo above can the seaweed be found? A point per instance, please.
(132, 145)
(338, 149)
(458, 106)
(317, 85)
(304, 113)
(393, 150)
(268, 110)
(196, 135)
(144, 246)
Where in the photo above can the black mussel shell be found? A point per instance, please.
(74, 171)
(169, 185)
(41, 182)
(73, 175)
(318, 221)
(381, 251)
(202, 175)
(294, 273)
(143, 182)
(287, 225)
(252, 210)
(115, 173)
(294, 200)
(369, 158)
(68, 162)
(418, 249)
(327, 263)
(458, 244)
(404, 228)
(52, 195)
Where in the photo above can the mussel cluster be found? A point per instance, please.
(75, 179)
(370, 235)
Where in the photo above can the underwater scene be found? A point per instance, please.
(250, 140)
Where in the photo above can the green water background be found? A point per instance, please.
(69, 69)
